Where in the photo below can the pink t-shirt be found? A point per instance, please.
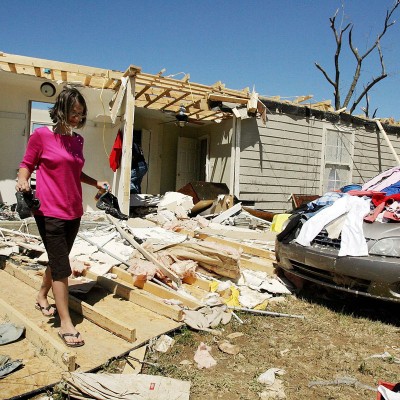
(59, 161)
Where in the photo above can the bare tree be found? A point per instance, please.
(359, 60)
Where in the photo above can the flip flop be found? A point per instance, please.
(48, 308)
(71, 344)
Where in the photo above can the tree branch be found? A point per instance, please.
(366, 89)
(360, 59)
(326, 75)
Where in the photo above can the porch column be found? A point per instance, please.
(128, 118)
(235, 157)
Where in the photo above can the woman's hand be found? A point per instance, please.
(22, 186)
(22, 180)
(104, 185)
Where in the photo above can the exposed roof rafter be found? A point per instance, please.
(155, 92)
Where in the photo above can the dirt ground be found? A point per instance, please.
(332, 346)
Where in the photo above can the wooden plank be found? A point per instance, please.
(106, 321)
(300, 199)
(257, 264)
(268, 254)
(129, 292)
(388, 142)
(125, 175)
(49, 64)
(118, 102)
(228, 99)
(40, 339)
(101, 319)
(149, 256)
(227, 213)
(31, 246)
(301, 99)
(160, 291)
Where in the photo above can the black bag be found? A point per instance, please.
(26, 203)
(109, 203)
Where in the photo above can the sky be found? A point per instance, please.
(269, 45)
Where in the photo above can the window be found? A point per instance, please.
(337, 156)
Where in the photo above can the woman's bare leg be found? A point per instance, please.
(60, 291)
(41, 298)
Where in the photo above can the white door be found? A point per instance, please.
(187, 167)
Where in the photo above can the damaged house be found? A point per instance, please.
(263, 150)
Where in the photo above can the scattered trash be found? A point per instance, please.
(126, 387)
(385, 356)
(345, 380)
(207, 317)
(228, 348)
(235, 335)
(274, 392)
(203, 357)
(268, 377)
(164, 343)
(388, 391)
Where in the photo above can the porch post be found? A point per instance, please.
(235, 157)
(125, 176)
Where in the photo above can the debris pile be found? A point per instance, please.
(191, 269)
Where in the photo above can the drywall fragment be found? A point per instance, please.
(203, 357)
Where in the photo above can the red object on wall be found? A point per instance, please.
(116, 152)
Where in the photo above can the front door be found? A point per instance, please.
(188, 161)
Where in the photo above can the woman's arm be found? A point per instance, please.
(22, 181)
(92, 182)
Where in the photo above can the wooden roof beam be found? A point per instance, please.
(300, 99)
(165, 93)
(228, 99)
(57, 65)
(38, 72)
(174, 101)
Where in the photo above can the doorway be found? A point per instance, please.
(192, 160)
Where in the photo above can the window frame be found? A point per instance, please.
(350, 134)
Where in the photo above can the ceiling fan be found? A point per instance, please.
(181, 118)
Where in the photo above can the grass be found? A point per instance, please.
(335, 340)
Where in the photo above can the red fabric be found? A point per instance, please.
(378, 209)
(116, 152)
(386, 199)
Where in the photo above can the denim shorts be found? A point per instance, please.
(58, 237)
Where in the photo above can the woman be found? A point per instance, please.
(57, 155)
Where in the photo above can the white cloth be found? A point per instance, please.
(353, 241)
(387, 393)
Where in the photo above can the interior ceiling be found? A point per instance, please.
(154, 92)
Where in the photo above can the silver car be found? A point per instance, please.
(376, 275)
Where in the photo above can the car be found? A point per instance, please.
(376, 275)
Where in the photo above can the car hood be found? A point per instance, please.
(379, 230)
